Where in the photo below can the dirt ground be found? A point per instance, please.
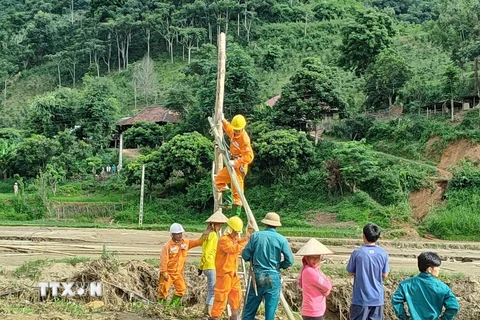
(21, 244)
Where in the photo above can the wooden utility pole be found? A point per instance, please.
(142, 188)
(452, 107)
(120, 154)
(218, 164)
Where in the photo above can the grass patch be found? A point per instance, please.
(74, 260)
(459, 218)
(31, 269)
(152, 261)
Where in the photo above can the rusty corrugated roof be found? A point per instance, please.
(153, 114)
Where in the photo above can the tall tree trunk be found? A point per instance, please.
(147, 31)
(71, 9)
(59, 76)
(5, 93)
(74, 67)
(118, 52)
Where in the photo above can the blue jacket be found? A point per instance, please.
(264, 251)
(425, 297)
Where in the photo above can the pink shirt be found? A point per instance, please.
(311, 281)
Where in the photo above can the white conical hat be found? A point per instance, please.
(312, 248)
(217, 217)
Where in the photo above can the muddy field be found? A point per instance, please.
(128, 279)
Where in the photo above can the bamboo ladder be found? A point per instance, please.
(251, 219)
(222, 153)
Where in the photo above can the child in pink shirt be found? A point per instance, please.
(314, 284)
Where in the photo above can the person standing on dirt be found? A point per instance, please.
(172, 263)
(314, 284)
(209, 251)
(241, 156)
(264, 251)
(369, 266)
(228, 285)
(425, 295)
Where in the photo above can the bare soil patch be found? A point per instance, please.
(421, 201)
(458, 150)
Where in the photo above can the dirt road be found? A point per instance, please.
(20, 244)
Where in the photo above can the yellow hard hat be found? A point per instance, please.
(235, 223)
(239, 122)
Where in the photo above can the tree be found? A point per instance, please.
(145, 134)
(241, 85)
(188, 156)
(33, 154)
(451, 80)
(7, 153)
(145, 80)
(384, 80)
(98, 111)
(283, 153)
(364, 37)
(310, 93)
(357, 162)
(54, 112)
(190, 37)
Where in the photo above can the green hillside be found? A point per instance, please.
(69, 74)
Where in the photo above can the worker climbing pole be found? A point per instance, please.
(238, 149)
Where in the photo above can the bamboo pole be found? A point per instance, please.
(218, 163)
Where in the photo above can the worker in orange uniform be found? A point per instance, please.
(241, 156)
(172, 263)
(209, 252)
(228, 284)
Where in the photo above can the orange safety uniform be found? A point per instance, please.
(242, 154)
(228, 284)
(172, 262)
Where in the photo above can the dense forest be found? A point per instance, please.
(70, 69)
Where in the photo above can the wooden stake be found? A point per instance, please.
(218, 163)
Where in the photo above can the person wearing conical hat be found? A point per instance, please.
(209, 250)
(314, 284)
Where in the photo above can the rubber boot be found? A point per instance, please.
(236, 210)
(162, 301)
(227, 199)
(234, 315)
(176, 301)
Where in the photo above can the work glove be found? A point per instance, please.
(200, 271)
(231, 163)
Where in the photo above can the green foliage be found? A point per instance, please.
(385, 79)
(310, 94)
(352, 128)
(147, 134)
(283, 153)
(186, 156)
(465, 176)
(459, 218)
(357, 162)
(31, 269)
(33, 154)
(54, 112)
(98, 111)
(241, 86)
(364, 37)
